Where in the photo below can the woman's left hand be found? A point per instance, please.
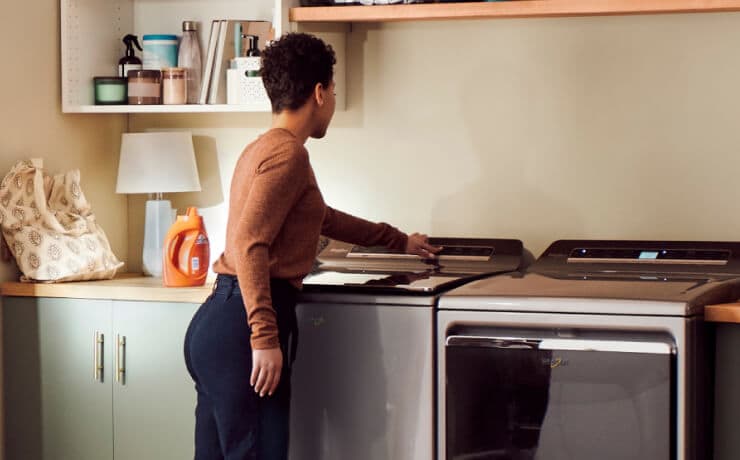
(418, 244)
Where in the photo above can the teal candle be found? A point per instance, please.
(110, 90)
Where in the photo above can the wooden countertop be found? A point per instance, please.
(125, 286)
(723, 313)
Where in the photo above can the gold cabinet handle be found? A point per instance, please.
(121, 359)
(98, 345)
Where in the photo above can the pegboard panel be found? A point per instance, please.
(91, 45)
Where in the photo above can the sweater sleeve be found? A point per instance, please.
(344, 227)
(277, 185)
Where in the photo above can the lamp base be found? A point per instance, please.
(157, 222)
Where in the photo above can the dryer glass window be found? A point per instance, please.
(514, 400)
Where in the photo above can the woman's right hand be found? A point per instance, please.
(267, 364)
(418, 244)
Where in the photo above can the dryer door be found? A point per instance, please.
(530, 397)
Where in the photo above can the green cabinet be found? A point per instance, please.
(90, 379)
(154, 408)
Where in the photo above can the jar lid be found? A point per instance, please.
(141, 73)
(109, 79)
(189, 25)
(173, 71)
(160, 37)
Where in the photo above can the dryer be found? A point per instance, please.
(363, 381)
(597, 351)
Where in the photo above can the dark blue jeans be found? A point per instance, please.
(231, 421)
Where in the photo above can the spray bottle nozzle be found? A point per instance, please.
(130, 40)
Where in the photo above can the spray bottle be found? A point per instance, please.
(129, 61)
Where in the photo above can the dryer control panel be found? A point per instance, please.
(708, 258)
(655, 255)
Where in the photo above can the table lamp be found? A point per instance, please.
(156, 163)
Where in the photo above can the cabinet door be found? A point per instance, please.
(55, 406)
(154, 401)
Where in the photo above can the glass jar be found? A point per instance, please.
(174, 86)
(110, 90)
(144, 87)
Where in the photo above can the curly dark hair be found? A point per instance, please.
(292, 66)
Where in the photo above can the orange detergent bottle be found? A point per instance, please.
(186, 252)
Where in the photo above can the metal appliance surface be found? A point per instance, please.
(363, 381)
(597, 351)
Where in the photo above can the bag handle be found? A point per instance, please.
(5, 254)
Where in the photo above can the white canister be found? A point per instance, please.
(160, 51)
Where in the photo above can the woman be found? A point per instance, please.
(237, 347)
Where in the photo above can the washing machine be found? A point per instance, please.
(597, 351)
(363, 383)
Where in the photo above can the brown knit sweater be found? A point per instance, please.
(276, 214)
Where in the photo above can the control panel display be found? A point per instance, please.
(471, 253)
(649, 255)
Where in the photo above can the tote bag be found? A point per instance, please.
(49, 226)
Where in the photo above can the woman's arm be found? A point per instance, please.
(345, 227)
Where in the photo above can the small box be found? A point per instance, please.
(253, 63)
(244, 90)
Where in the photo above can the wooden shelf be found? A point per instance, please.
(505, 9)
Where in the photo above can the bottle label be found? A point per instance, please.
(159, 54)
(195, 264)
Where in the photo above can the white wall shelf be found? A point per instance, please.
(92, 31)
(192, 108)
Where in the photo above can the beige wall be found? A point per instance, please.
(32, 125)
(613, 127)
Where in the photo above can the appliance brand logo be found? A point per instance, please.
(317, 321)
(555, 362)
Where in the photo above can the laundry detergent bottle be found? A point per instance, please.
(186, 252)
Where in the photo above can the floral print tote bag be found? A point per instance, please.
(50, 228)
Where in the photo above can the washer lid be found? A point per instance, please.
(616, 293)
(345, 267)
(459, 256)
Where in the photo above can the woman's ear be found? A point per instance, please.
(318, 94)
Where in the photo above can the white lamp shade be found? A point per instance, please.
(157, 163)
